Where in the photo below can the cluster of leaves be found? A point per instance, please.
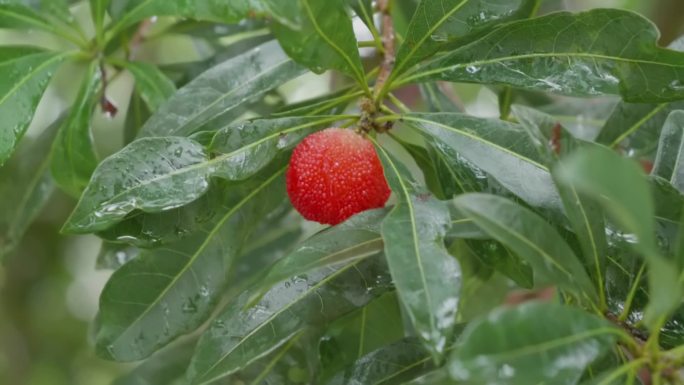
(205, 246)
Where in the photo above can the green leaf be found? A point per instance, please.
(325, 39)
(25, 185)
(531, 238)
(436, 99)
(426, 276)
(501, 149)
(152, 85)
(16, 15)
(641, 123)
(150, 174)
(163, 368)
(220, 91)
(534, 343)
(166, 292)
(356, 238)
(669, 163)
(427, 165)
(124, 13)
(620, 187)
(31, 70)
(595, 52)
(636, 125)
(73, 153)
(438, 23)
(98, 10)
(351, 337)
(158, 174)
(391, 364)
(585, 215)
(238, 337)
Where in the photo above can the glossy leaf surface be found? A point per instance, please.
(602, 51)
(31, 70)
(427, 277)
(531, 344)
(152, 85)
(239, 336)
(167, 292)
(73, 153)
(220, 91)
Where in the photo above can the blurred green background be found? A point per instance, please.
(49, 287)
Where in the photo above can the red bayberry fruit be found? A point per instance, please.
(334, 174)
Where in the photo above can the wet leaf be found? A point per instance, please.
(426, 276)
(356, 238)
(25, 185)
(601, 51)
(391, 364)
(114, 255)
(531, 344)
(163, 368)
(531, 238)
(436, 99)
(238, 337)
(438, 23)
(218, 93)
(638, 125)
(152, 85)
(29, 71)
(623, 191)
(159, 174)
(170, 291)
(73, 152)
(669, 163)
(498, 148)
(325, 39)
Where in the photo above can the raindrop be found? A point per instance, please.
(189, 307)
(676, 85)
(472, 69)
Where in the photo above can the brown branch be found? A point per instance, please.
(139, 37)
(388, 45)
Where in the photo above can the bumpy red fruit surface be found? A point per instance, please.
(334, 174)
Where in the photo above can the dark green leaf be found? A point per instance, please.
(356, 238)
(427, 165)
(163, 368)
(220, 91)
(530, 237)
(16, 15)
(150, 174)
(387, 365)
(137, 114)
(238, 337)
(31, 70)
(325, 39)
(534, 343)
(25, 185)
(641, 123)
(437, 23)
(158, 174)
(590, 53)
(426, 276)
(98, 10)
(501, 149)
(620, 187)
(436, 99)
(152, 85)
(169, 291)
(73, 153)
(351, 337)
(669, 163)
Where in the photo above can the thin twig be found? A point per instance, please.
(389, 47)
(139, 37)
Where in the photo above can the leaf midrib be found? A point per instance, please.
(413, 78)
(476, 138)
(268, 322)
(431, 29)
(200, 249)
(210, 162)
(414, 234)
